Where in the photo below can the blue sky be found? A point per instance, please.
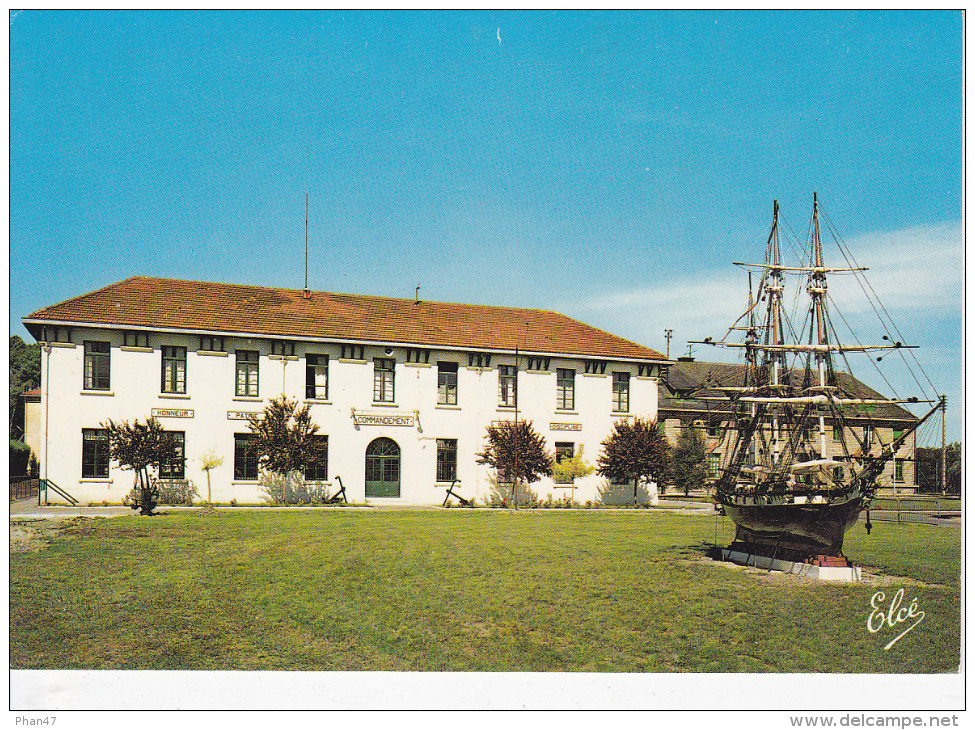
(606, 165)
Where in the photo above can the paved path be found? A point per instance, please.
(29, 509)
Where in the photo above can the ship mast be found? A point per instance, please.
(816, 287)
(774, 334)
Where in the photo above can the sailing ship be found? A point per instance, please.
(787, 484)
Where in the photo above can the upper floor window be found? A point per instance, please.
(867, 435)
(507, 385)
(446, 460)
(316, 376)
(714, 465)
(318, 471)
(447, 383)
(209, 343)
(837, 433)
(94, 453)
(175, 468)
(173, 369)
(714, 430)
(897, 433)
(621, 392)
(565, 388)
(899, 471)
(247, 367)
(383, 390)
(134, 338)
(97, 366)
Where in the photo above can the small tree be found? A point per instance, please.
(141, 447)
(572, 468)
(208, 462)
(634, 451)
(285, 443)
(687, 461)
(516, 452)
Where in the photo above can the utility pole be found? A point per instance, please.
(668, 334)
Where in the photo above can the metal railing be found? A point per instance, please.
(46, 484)
(913, 510)
(23, 487)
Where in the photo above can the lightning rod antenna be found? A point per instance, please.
(306, 219)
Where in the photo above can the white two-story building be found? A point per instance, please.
(402, 390)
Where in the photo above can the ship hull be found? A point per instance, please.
(816, 529)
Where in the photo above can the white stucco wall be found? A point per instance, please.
(66, 408)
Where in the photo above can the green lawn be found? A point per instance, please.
(478, 590)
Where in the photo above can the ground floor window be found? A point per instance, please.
(175, 468)
(94, 453)
(382, 468)
(318, 472)
(446, 460)
(245, 457)
(898, 471)
(563, 450)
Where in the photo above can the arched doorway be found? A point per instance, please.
(382, 468)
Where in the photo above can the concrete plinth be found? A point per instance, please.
(849, 574)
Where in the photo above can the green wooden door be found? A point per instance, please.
(382, 468)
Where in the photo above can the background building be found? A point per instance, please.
(682, 404)
(402, 390)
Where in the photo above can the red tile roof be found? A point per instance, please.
(173, 304)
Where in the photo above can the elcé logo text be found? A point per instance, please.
(893, 615)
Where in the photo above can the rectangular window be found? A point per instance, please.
(94, 453)
(898, 471)
(714, 465)
(173, 369)
(563, 450)
(897, 433)
(447, 383)
(318, 472)
(867, 435)
(316, 376)
(175, 468)
(837, 433)
(97, 366)
(247, 365)
(245, 457)
(714, 430)
(446, 460)
(565, 388)
(211, 344)
(621, 392)
(507, 385)
(383, 381)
